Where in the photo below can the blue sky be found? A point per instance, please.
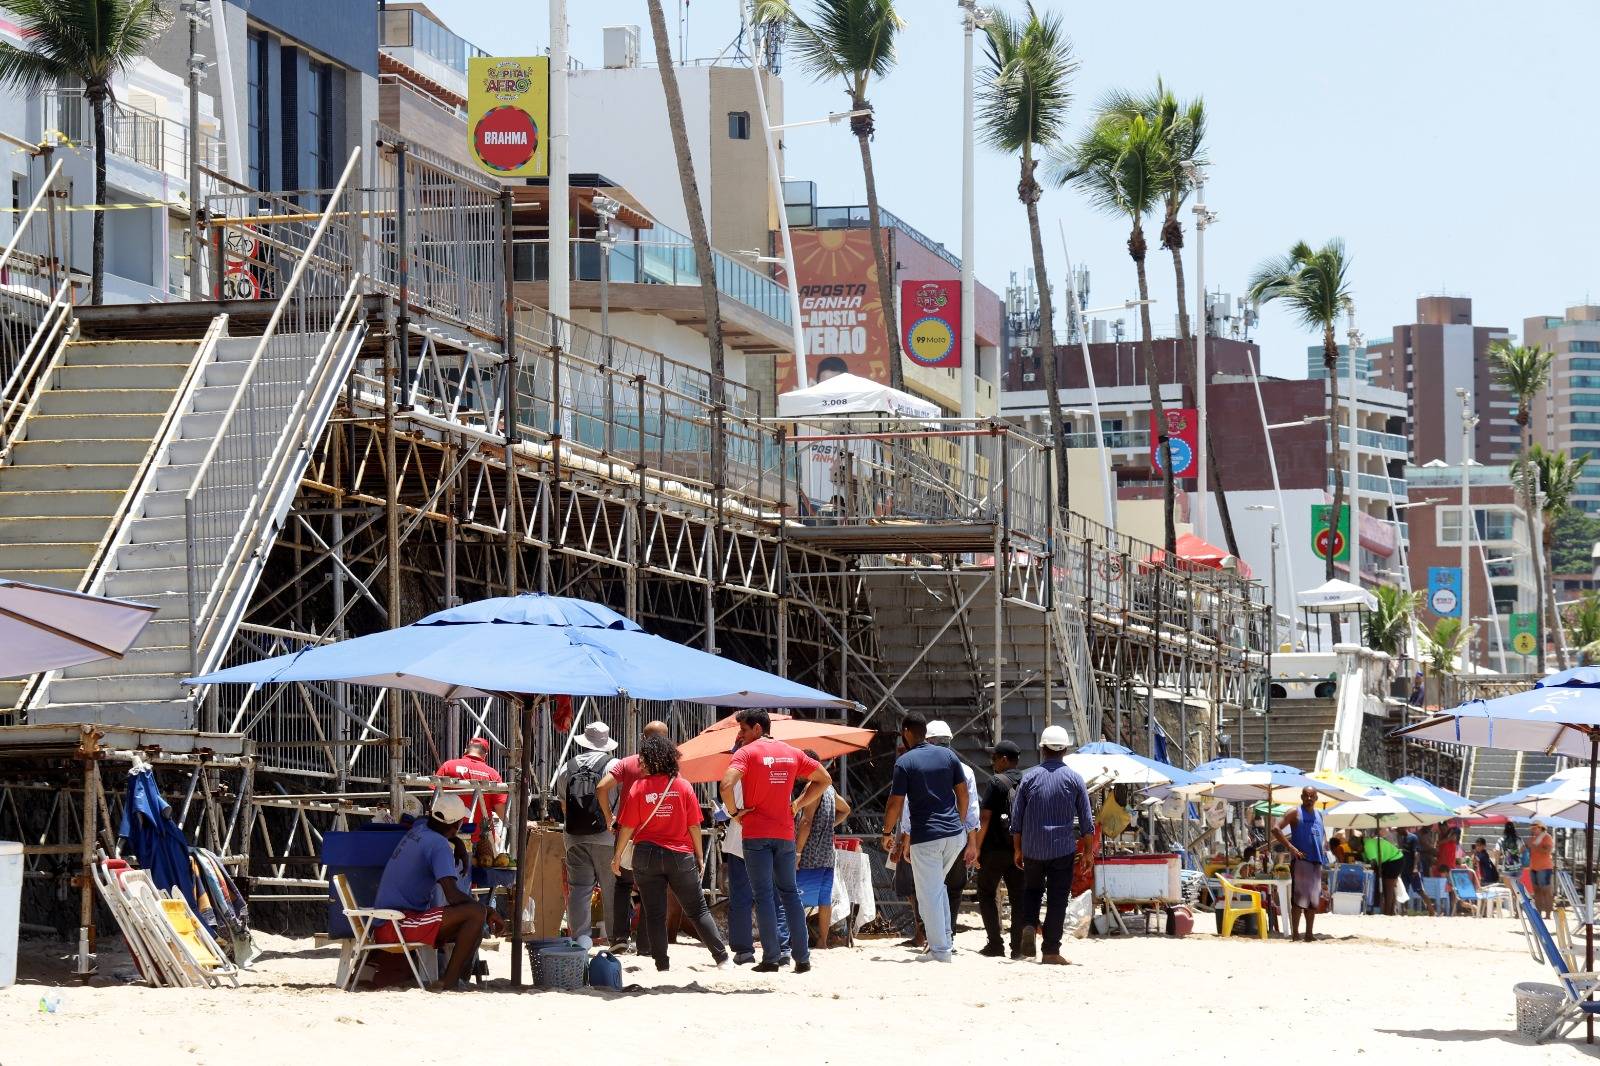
(1449, 144)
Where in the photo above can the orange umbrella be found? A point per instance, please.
(705, 757)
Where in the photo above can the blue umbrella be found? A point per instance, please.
(154, 838)
(1453, 800)
(531, 644)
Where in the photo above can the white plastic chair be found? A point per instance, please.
(364, 922)
(145, 901)
(148, 949)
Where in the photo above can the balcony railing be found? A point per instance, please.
(1375, 484)
(132, 133)
(1135, 439)
(1370, 438)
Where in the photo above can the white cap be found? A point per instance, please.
(449, 807)
(1055, 738)
(939, 729)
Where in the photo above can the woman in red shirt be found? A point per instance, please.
(661, 817)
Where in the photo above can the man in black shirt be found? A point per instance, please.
(995, 863)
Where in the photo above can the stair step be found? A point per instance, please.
(164, 502)
(148, 581)
(103, 402)
(157, 554)
(202, 425)
(163, 632)
(226, 373)
(121, 376)
(164, 530)
(56, 579)
(76, 427)
(45, 555)
(121, 451)
(215, 397)
(177, 477)
(161, 661)
(114, 689)
(66, 476)
(150, 714)
(104, 353)
(53, 529)
(101, 502)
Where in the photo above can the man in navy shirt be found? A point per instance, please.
(1049, 812)
(425, 859)
(929, 781)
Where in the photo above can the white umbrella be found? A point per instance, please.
(42, 628)
(847, 394)
(1264, 781)
(1118, 765)
(1386, 809)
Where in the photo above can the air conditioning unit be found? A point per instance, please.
(1029, 376)
(621, 49)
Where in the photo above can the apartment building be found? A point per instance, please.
(1567, 417)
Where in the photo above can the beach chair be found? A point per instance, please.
(1575, 986)
(1437, 889)
(1464, 886)
(1519, 896)
(201, 953)
(1235, 901)
(145, 900)
(365, 922)
(149, 950)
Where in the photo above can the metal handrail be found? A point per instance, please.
(261, 470)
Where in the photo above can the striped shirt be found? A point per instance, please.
(1051, 811)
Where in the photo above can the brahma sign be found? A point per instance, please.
(508, 108)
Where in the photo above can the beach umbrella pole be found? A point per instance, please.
(519, 835)
(1588, 874)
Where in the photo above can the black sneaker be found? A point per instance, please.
(744, 958)
(993, 951)
(767, 967)
(803, 967)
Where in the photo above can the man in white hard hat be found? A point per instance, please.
(426, 859)
(1048, 814)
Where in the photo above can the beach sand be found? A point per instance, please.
(1375, 989)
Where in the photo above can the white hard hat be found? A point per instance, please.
(1055, 738)
(939, 729)
(449, 807)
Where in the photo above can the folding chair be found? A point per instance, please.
(364, 922)
(146, 903)
(149, 952)
(1575, 986)
(1235, 902)
(1464, 885)
(1437, 889)
(200, 951)
(1520, 899)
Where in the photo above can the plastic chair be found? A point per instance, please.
(364, 921)
(1575, 985)
(1236, 902)
(1464, 884)
(200, 951)
(149, 949)
(1437, 889)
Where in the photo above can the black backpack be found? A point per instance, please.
(582, 806)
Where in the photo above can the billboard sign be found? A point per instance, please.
(1444, 591)
(1183, 436)
(931, 315)
(842, 318)
(1525, 633)
(508, 115)
(1337, 538)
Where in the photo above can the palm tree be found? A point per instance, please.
(698, 234)
(91, 41)
(1558, 475)
(1389, 627)
(1023, 101)
(1444, 645)
(852, 40)
(1525, 373)
(1583, 627)
(1121, 163)
(1182, 126)
(1314, 284)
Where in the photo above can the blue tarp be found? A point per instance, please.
(154, 838)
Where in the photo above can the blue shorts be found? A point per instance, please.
(1542, 878)
(816, 887)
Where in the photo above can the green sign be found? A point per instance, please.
(1525, 633)
(1321, 534)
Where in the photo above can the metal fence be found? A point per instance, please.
(231, 501)
(132, 133)
(35, 312)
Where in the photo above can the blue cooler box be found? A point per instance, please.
(360, 856)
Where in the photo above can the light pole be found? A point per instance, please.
(1469, 524)
(1353, 492)
(1266, 709)
(973, 18)
(197, 64)
(1494, 608)
(560, 270)
(1272, 461)
(607, 209)
(1202, 219)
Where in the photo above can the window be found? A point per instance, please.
(320, 112)
(739, 125)
(1584, 399)
(260, 141)
(1590, 435)
(1583, 381)
(1583, 364)
(1494, 524)
(1584, 346)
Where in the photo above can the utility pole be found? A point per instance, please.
(560, 226)
(197, 66)
(1202, 219)
(1469, 524)
(1353, 482)
(972, 18)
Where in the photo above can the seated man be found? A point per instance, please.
(426, 859)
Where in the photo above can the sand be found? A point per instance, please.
(1389, 990)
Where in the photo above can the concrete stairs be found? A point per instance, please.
(1296, 729)
(1493, 771)
(146, 558)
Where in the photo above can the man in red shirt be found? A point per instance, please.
(768, 771)
(472, 768)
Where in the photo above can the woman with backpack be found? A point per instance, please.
(660, 822)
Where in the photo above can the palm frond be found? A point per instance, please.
(1312, 283)
(1522, 370)
(1389, 626)
(89, 40)
(1026, 88)
(1119, 164)
(849, 39)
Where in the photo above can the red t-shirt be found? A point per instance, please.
(625, 772)
(771, 768)
(668, 825)
(471, 768)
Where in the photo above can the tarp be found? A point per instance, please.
(154, 838)
(43, 628)
(531, 645)
(1194, 553)
(847, 394)
(1337, 597)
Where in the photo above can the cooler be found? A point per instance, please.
(1153, 877)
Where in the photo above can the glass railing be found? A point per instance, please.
(1130, 438)
(1369, 438)
(1450, 476)
(858, 216)
(660, 256)
(1375, 484)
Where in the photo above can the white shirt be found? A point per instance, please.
(733, 833)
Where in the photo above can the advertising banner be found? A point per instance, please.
(1183, 434)
(841, 316)
(508, 115)
(1321, 535)
(1444, 591)
(1525, 633)
(930, 312)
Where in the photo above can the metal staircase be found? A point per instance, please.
(1491, 772)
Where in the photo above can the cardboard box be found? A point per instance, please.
(543, 878)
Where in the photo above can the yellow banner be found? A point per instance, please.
(508, 115)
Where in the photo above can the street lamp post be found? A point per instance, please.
(197, 64)
(1469, 524)
(1353, 493)
(607, 208)
(972, 18)
(1266, 707)
(1202, 219)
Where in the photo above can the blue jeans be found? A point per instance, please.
(931, 861)
(770, 862)
(741, 910)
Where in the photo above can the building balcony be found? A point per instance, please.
(132, 134)
(1375, 485)
(1391, 443)
(1120, 439)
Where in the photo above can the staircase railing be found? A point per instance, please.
(35, 306)
(277, 411)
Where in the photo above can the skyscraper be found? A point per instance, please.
(1567, 416)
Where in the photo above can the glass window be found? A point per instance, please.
(1584, 346)
(260, 140)
(739, 125)
(1494, 524)
(320, 112)
(1583, 381)
(1583, 364)
(1589, 435)
(1584, 399)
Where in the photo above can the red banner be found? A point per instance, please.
(930, 314)
(1183, 434)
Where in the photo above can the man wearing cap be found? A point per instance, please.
(929, 780)
(425, 860)
(589, 843)
(473, 769)
(996, 865)
(1048, 814)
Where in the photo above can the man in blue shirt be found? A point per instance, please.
(930, 782)
(425, 859)
(1048, 814)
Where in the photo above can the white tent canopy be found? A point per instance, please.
(847, 394)
(1337, 597)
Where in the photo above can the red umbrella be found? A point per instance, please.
(705, 757)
